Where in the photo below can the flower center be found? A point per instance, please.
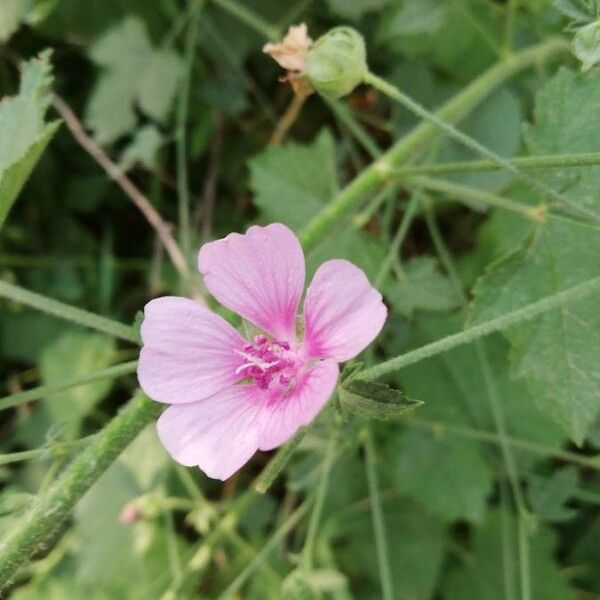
(272, 364)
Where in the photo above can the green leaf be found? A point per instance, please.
(556, 352)
(482, 575)
(461, 482)
(373, 400)
(134, 74)
(293, 182)
(424, 288)
(416, 542)
(547, 495)
(25, 133)
(10, 16)
(143, 148)
(355, 9)
(76, 353)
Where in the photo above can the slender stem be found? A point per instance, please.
(441, 428)
(442, 124)
(475, 332)
(547, 161)
(116, 174)
(52, 507)
(315, 517)
(509, 25)
(68, 313)
(183, 193)
(383, 559)
(396, 244)
(6, 459)
(268, 475)
(457, 108)
(288, 119)
(250, 18)
(261, 556)
(47, 390)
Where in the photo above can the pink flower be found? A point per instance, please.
(229, 396)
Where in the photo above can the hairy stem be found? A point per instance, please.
(55, 388)
(476, 332)
(454, 110)
(469, 142)
(68, 313)
(51, 508)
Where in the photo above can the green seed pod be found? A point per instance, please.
(337, 62)
(586, 45)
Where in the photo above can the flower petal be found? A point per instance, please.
(343, 312)
(218, 434)
(282, 417)
(188, 351)
(259, 275)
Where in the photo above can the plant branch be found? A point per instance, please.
(47, 390)
(115, 173)
(51, 508)
(67, 312)
(457, 108)
(514, 317)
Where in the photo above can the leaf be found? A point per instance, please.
(292, 182)
(547, 495)
(134, 74)
(25, 133)
(496, 124)
(555, 352)
(424, 288)
(416, 541)
(76, 353)
(143, 148)
(579, 10)
(355, 9)
(454, 390)
(482, 576)
(372, 400)
(10, 16)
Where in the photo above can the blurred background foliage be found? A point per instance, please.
(145, 530)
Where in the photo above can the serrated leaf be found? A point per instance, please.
(24, 132)
(548, 495)
(135, 73)
(373, 400)
(556, 352)
(72, 354)
(424, 288)
(579, 10)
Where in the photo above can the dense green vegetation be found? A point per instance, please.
(465, 182)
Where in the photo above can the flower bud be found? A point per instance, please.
(586, 45)
(337, 62)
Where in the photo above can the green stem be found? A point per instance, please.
(443, 125)
(261, 556)
(250, 18)
(52, 508)
(7, 459)
(546, 161)
(440, 428)
(69, 313)
(457, 108)
(315, 517)
(466, 194)
(268, 475)
(476, 332)
(47, 390)
(183, 193)
(383, 559)
(396, 244)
